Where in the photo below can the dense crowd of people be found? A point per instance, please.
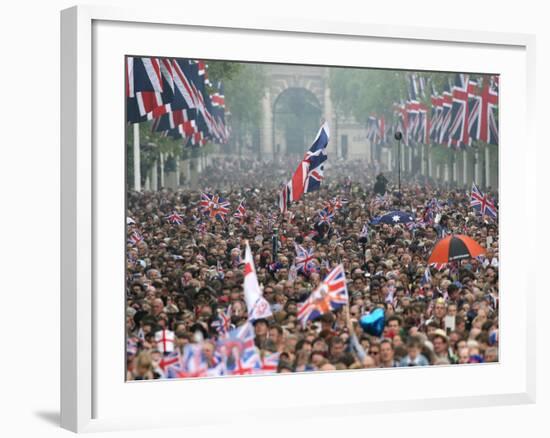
(184, 278)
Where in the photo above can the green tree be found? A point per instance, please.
(244, 89)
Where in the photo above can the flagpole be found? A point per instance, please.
(398, 136)
(137, 163)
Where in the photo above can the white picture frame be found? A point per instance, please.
(90, 388)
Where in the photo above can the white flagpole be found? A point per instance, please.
(137, 163)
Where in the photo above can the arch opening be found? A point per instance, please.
(296, 119)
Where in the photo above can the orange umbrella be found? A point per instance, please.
(455, 247)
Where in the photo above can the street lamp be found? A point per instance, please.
(398, 136)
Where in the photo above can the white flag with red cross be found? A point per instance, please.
(257, 305)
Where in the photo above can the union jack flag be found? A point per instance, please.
(446, 116)
(364, 231)
(201, 227)
(132, 345)
(438, 266)
(435, 119)
(240, 338)
(270, 362)
(427, 277)
(379, 201)
(481, 202)
(193, 363)
(223, 323)
(214, 206)
(135, 237)
(331, 294)
(242, 364)
(219, 270)
(308, 175)
(169, 360)
(304, 259)
(335, 203)
(174, 218)
(326, 216)
(241, 212)
(488, 119)
(462, 121)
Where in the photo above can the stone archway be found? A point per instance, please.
(279, 79)
(296, 117)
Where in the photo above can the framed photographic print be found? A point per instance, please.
(251, 208)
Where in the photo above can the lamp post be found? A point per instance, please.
(398, 136)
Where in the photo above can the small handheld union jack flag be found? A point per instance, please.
(223, 323)
(305, 261)
(135, 237)
(270, 362)
(214, 206)
(480, 202)
(364, 232)
(336, 203)
(241, 212)
(438, 266)
(201, 227)
(331, 294)
(174, 218)
(326, 216)
(427, 277)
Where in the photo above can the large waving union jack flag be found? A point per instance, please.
(309, 173)
(331, 294)
(480, 202)
(214, 206)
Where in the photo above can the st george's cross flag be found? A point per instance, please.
(165, 340)
(257, 305)
(309, 173)
(330, 295)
